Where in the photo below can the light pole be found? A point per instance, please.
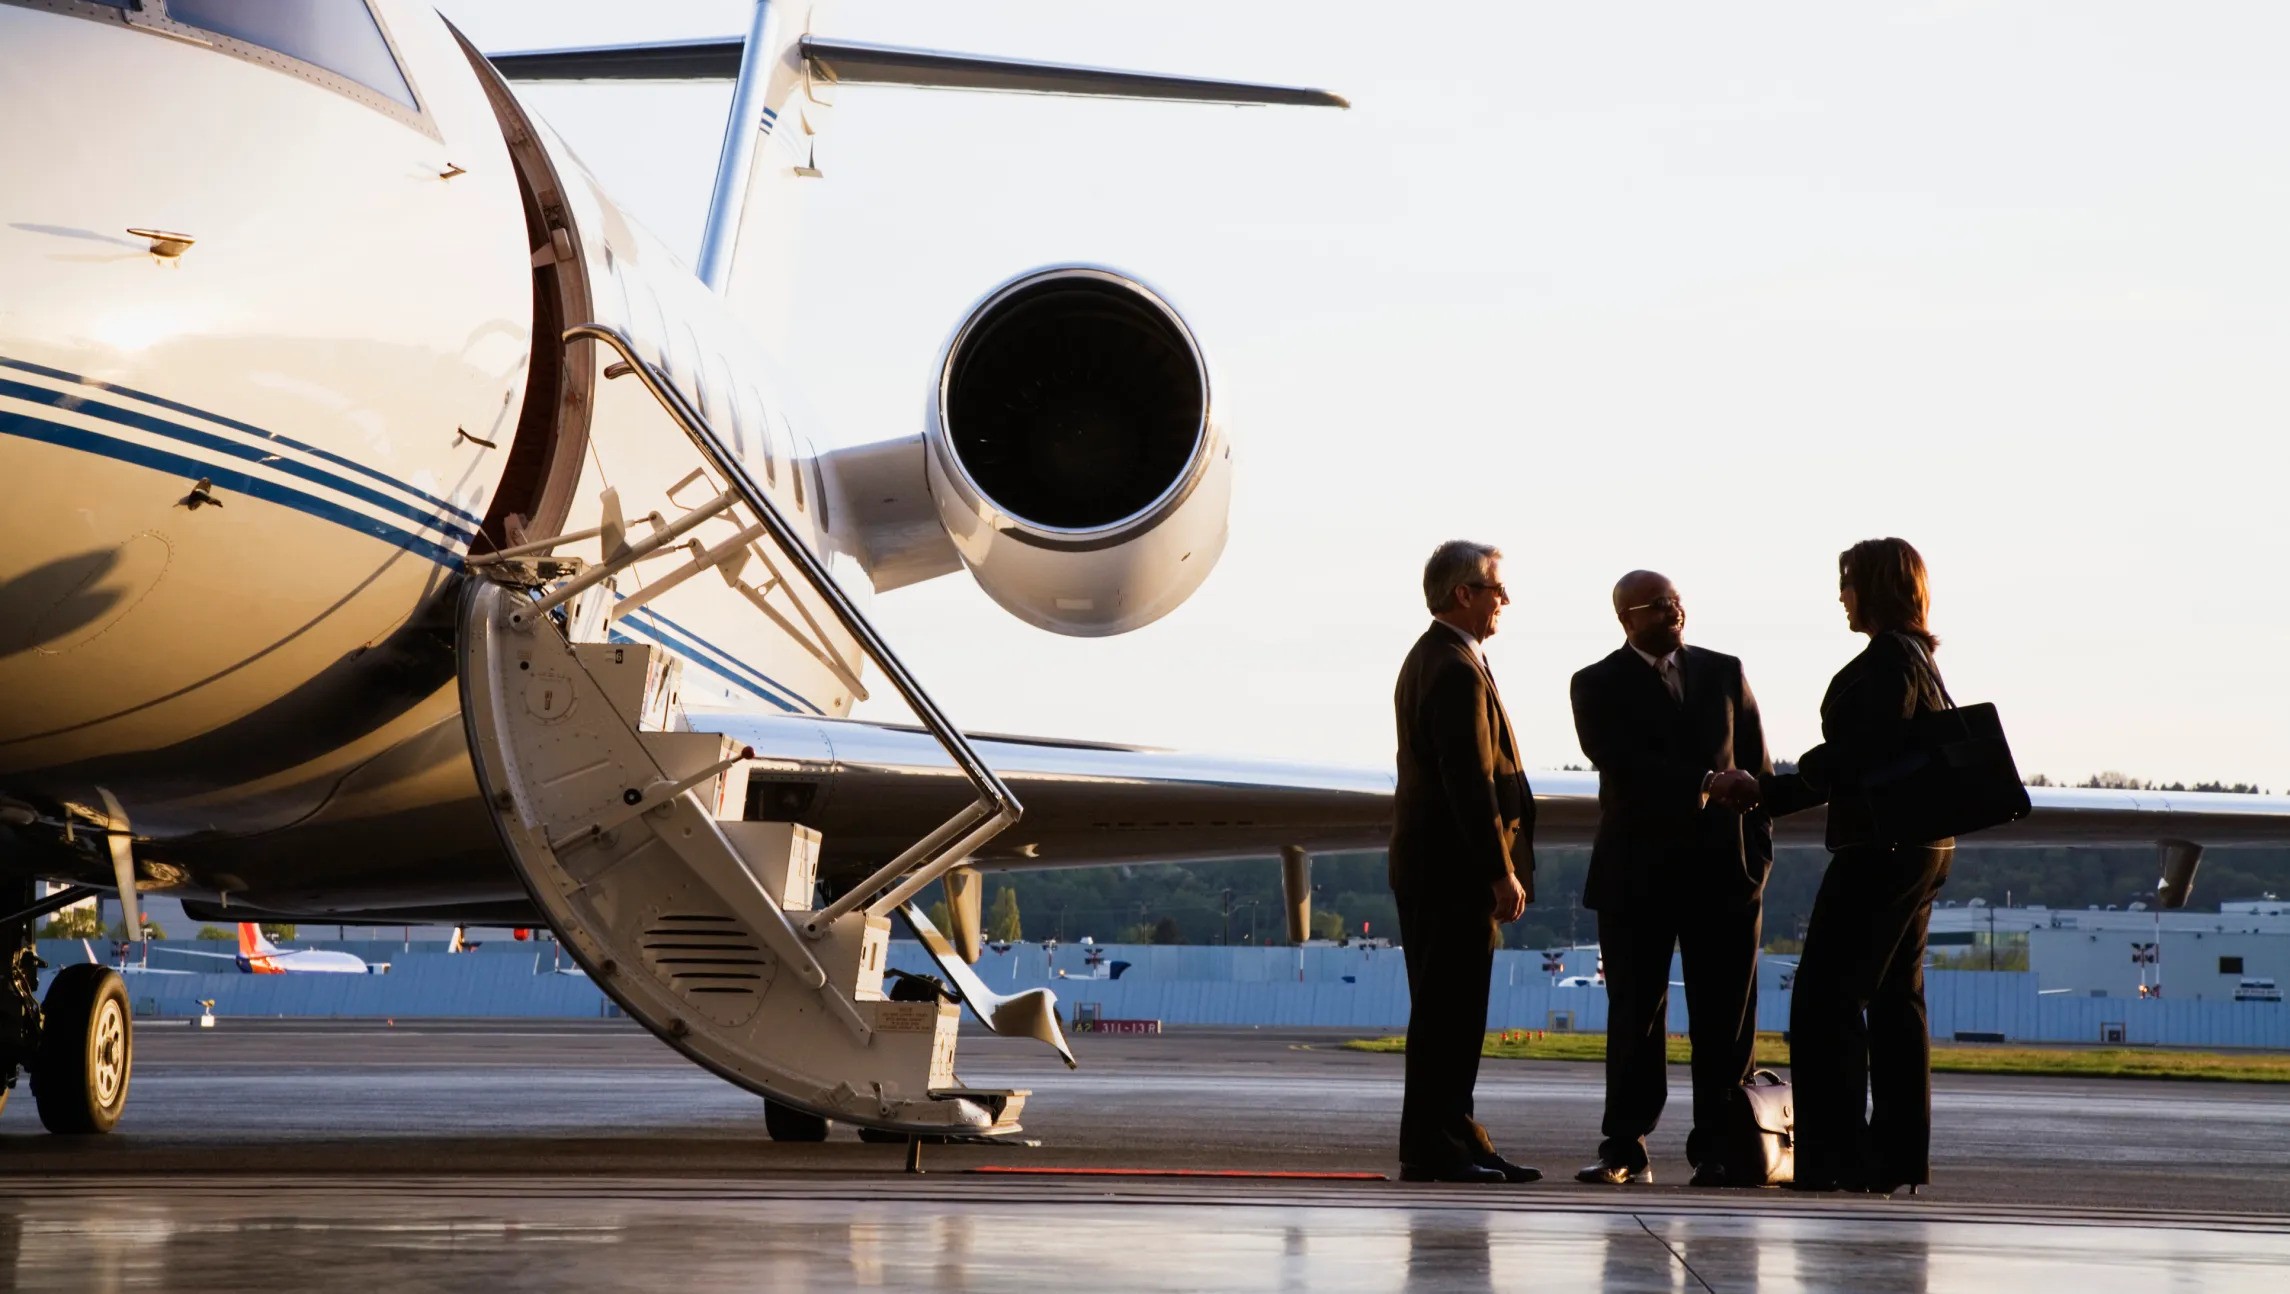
(1252, 905)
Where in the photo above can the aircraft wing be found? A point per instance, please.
(193, 952)
(2084, 816)
(871, 789)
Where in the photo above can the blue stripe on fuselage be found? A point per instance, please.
(70, 402)
(698, 650)
(250, 429)
(675, 637)
(228, 478)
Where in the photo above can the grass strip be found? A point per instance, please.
(1959, 1058)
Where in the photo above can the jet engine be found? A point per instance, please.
(1073, 453)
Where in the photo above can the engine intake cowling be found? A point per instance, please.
(1073, 455)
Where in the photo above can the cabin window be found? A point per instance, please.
(684, 366)
(747, 418)
(763, 431)
(724, 405)
(340, 36)
(2230, 965)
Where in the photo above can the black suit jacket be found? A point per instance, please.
(1463, 812)
(1864, 726)
(1658, 841)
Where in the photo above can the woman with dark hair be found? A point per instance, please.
(1857, 1025)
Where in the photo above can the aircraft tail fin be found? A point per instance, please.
(253, 942)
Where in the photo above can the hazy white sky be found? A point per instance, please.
(1713, 289)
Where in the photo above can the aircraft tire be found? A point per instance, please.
(786, 1123)
(87, 1051)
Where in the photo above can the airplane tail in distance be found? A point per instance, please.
(252, 941)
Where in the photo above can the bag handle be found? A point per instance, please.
(1922, 654)
(1765, 1078)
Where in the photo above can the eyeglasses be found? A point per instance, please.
(1664, 605)
(1500, 591)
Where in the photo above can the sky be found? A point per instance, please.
(1716, 290)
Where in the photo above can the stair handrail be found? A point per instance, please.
(996, 807)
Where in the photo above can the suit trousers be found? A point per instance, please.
(1717, 943)
(1858, 1032)
(1450, 960)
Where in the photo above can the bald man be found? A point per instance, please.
(1679, 863)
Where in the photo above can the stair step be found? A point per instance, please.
(643, 683)
(683, 754)
(678, 908)
(782, 856)
(1003, 1104)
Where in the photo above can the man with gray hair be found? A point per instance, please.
(1462, 861)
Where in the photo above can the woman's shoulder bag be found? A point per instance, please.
(1956, 777)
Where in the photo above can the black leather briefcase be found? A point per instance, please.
(1957, 778)
(1760, 1139)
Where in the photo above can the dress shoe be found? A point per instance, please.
(1607, 1173)
(1710, 1174)
(1450, 1173)
(1516, 1174)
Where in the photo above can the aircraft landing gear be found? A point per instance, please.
(19, 988)
(786, 1123)
(79, 1045)
(87, 1051)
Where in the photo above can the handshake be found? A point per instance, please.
(1735, 789)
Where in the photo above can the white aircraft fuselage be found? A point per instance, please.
(279, 360)
(245, 474)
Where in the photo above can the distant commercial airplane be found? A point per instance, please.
(257, 955)
(398, 532)
(124, 966)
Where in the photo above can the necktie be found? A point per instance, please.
(1671, 679)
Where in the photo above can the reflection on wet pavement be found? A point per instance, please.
(950, 1234)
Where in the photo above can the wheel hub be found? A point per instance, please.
(110, 1044)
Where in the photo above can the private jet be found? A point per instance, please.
(399, 532)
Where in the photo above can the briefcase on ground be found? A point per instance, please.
(1957, 778)
(1760, 1139)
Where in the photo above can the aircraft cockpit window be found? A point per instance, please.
(340, 36)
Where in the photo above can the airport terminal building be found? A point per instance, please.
(2239, 953)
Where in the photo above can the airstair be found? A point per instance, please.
(628, 829)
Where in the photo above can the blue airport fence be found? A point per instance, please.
(1315, 987)
(419, 984)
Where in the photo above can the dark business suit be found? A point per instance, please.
(1670, 870)
(1858, 1031)
(1464, 817)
